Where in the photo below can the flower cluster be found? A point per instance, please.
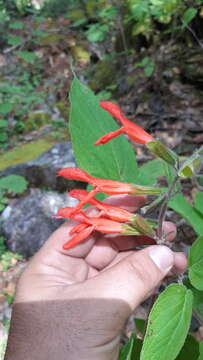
(111, 219)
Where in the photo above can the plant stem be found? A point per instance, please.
(197, 317)
(163, 209)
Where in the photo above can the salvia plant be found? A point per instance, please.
(106, 161)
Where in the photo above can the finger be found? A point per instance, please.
(134, 278)
(107, 247)
(169, 230)
(102, 254)
(128, 202)
(180, 263)
(62, 235)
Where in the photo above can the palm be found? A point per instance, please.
(58, 268)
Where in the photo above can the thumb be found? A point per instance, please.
(133, 278)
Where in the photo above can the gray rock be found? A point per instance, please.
(28, 222)
(41, 172)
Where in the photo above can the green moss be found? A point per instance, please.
(93, 5)
(51, 39)
(105, 74)
(76, 14)
(63, 109)
(80, 54)
(24, 153)
(35, 120)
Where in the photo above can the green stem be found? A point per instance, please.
(162, 213)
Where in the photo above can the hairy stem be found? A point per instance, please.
(162, 213)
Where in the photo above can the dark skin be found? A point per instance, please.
(74, 304)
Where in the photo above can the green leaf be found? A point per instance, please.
(131, 350)
(3, 123)
(200, 351)
(140, 325)
(199, 202)
(13, 183)
(114, 160)
(200, 179)
(188, 15)
(96, 36)
(183, 207)
(192, 165)
(22, 4)
(2, 245)
(79, 22)
(149, 69)
(150, 171)
(5, 108)
(28, 56)
(197, 298)
(3, 137)
(140, 10)
(168, 324)
(16, 25)
(4, 200)
(2, 207)
(15, 40)
(190, 350)
(38, 33)
(196, 264)
(97, 33)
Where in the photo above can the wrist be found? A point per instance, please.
(58, 330)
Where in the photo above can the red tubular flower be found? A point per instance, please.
(78, 238)
(68, 213)
(102, 225)
(89, 224)
(112, 212)
(78, 228)
(134, 132)
(109, 187)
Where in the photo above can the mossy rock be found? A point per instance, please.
(24, 153)
(80, 54)
(93, 5)
(105, 74)
(75, 15)
(51, 39)
(35, 120)
(63, 109)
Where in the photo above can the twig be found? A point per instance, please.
(193, 34)
(7, 50)
(120, 25)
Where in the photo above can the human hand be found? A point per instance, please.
(73, 304)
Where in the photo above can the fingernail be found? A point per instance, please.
(163, 257)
